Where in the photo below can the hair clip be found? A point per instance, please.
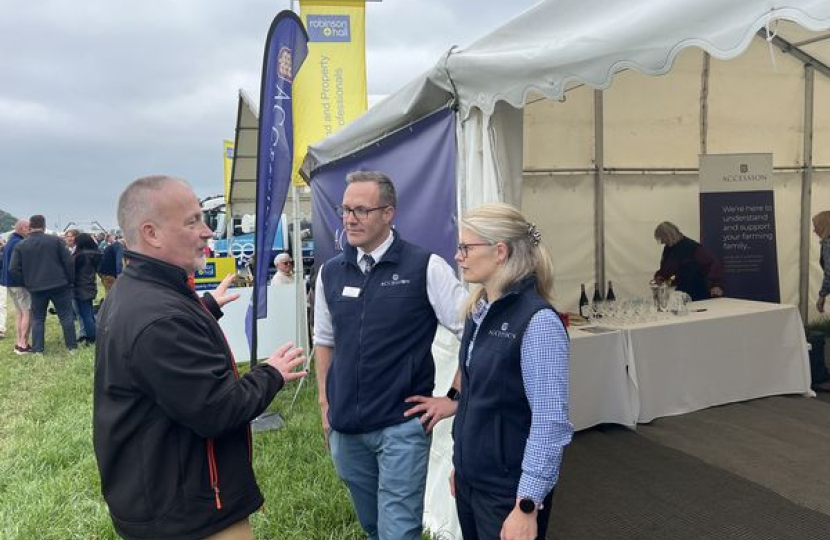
(533, 234)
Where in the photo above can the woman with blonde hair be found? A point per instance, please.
(511, 422)
(821, 226)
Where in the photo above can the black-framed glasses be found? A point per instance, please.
(464, 249)
(360, 213)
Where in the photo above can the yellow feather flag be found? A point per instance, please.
(330, 89)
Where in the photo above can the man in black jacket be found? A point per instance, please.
(44, 266)
(171, 414)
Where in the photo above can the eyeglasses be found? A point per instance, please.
(464, 249)
(359, 213)
(287, 262)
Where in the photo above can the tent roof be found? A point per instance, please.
(243, 173)
(557, 44)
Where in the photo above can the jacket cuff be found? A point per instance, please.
(274, 372)
(212, 306)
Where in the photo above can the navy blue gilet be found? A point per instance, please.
(382, 337)
(493, 419)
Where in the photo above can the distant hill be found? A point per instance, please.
(7, 221)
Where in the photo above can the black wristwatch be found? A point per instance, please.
(528, 506)
(453, 394)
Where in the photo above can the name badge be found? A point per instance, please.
(351, 292)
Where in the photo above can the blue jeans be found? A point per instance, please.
(62, 300)
(77, 316)
(87, 316)
(386, 473)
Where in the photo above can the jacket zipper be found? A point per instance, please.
(214, 473)
(213, 469)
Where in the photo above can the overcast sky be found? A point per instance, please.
(96, 93)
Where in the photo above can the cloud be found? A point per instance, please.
(96, 93)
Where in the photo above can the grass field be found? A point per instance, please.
(49, 486)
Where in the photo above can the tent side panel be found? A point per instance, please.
(560, 135)
(755, 106)
(654, 122)
(787, 229)
(562, 207)
(821, 125)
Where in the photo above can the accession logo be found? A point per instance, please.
(328, 28)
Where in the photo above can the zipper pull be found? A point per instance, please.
(216, 495)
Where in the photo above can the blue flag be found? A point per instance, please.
(286, 48)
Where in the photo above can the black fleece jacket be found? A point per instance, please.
(171, 416)
(41, 262)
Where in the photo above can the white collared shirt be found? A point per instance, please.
(446, 295)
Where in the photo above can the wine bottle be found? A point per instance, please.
(583, 301)
(595, 302)
(610, 296)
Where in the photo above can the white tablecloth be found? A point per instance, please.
(734, 351)
(601, 389)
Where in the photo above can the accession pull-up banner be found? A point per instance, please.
(737, 223)
(330, 91)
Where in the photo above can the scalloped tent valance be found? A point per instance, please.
(560, 43)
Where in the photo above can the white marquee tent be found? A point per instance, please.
(597, 165)
(559, 113)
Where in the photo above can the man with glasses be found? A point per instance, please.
(285, 269)
(378, 305)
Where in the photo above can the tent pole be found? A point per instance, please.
(599, 190)
(704, 104)
(301, 337)
(806, 194)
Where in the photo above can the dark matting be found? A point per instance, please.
(616, 484)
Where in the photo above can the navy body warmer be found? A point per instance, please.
(383, 328)
(493, 419)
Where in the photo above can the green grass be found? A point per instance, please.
(49, 487)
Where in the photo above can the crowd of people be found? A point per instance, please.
(38, 268)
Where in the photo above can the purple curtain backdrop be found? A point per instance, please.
(421, 161)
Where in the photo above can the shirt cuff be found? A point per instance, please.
(534, 488)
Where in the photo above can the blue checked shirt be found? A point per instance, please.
(545, 357)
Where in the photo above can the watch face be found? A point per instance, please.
(527, 506)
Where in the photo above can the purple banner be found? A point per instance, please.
(421, 161)
(286, 48)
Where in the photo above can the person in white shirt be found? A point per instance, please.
(285, 269)
(377, 308)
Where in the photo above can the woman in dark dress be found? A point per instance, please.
(87, 258)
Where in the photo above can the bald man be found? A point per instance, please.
(171, 415)
(21, 299)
